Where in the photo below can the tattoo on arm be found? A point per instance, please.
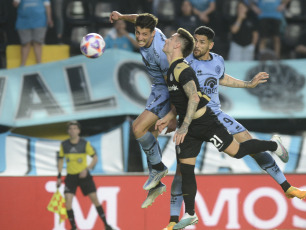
(230, 81)
(191, 92)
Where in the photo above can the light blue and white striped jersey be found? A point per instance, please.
(209, 73)
(155, 59)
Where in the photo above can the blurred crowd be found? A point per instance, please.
(245, 29)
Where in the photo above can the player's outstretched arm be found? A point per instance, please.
(115, 16)
(229, 81)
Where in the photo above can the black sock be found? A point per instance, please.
(189, 187)
(285, 185)
(71, 218)
(174, 219)
(101, 214)
(254, 146)
(160, 166)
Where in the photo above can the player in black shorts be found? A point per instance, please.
(197, 123)
(75, 150)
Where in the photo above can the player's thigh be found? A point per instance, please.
(144, 121)
(243, 136)
(233, 148)
(190, 148)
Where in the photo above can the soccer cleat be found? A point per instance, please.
(295, 192)
(170, 226)
(153, 194)
(281, 151)
(154, 178)
(186, 221)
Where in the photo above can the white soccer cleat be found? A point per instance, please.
(186, 221)
(281, 151)
(154, 178)
(153, 194)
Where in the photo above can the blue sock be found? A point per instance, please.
(176, 196)
(150, 146)
(267, 163)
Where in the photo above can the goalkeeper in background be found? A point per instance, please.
(75, 150)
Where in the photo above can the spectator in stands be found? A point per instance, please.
(270, 14)
(187, 19)
(300, 49)
(119, 37)
(33, 17)
(244, 34)
(203, 9)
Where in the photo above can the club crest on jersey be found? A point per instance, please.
(218, 69)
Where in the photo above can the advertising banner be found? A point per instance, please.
(223, 202)
(117, 83)
(23, 155)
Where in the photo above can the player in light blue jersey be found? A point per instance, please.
(210, 70)
(151, 42)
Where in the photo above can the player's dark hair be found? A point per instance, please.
(146, 20)
(187, 41)
(204, 30)
(73, 123)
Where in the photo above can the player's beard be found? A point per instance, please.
(198, 54)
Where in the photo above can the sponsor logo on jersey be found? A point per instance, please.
(210, 86)
(172, 88)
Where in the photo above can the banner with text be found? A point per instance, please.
(117, 84)
(222, 202)
(23, 155)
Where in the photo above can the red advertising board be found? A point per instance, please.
(222, 202)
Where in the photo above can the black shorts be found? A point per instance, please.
(206, 128)
(86, 184)
(269, 27)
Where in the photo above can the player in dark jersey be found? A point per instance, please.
(197, 122)
(205, 63)
(75, 150)
(151, 41)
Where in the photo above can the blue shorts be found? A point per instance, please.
(158, 101)
(230, 123)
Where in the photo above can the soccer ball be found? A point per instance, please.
(92, 45)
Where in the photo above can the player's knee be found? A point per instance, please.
(137, 129)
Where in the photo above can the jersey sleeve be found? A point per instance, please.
(223, 67)
(89, 149)
(186, 75)
(61, 152)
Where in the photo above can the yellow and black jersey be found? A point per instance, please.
(178, 75)
(76, 155)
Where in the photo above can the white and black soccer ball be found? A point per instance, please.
(92, 45)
